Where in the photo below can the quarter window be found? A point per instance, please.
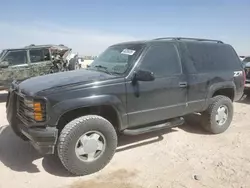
(208, 57)
(38, 55)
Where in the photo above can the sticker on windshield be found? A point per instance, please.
(128, 52)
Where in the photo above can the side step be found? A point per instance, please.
(170, 124)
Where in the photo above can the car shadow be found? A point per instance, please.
(15, 153)
(53, 165)
(3, 97)
(193, 124)
(19, 155)
(245, 99)
(129, 142)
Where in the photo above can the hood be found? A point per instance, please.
(37, 84)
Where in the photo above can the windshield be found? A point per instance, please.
(117, 59)
(247, 59)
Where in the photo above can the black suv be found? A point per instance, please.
(131, 88)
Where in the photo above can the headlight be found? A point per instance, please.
(35, 109)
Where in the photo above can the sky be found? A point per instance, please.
(90, 26)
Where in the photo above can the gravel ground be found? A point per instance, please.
(176, 158)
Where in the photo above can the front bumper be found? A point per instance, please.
(43, 139)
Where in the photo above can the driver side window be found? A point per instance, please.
(16, 58)
(162, 59)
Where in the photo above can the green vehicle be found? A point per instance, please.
(34, 60)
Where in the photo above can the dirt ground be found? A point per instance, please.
(177, 158)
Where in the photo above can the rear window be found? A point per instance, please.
(207, 57)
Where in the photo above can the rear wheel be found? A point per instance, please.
(74, 64)
(87, 144)
(218, 117)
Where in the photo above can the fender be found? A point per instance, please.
(68, 105)
(222, 85)
(216, 86)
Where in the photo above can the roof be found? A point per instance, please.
(172, 39)
(189, 39)
(131, 42)
(32, 46)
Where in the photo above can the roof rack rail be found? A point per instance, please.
(165, 38)
(183, 38)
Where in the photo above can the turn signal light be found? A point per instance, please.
(37, 107)
(38, 116)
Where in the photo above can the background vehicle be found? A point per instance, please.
(131, 88)
(34, 60)
(246, 65)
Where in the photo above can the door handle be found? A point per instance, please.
(182, 84)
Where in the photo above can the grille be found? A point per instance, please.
(26, 113)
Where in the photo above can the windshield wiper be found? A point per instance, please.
(103, 67)
(100, 66)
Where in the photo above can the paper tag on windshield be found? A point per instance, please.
(128, 52)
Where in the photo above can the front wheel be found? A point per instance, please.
(219, 114)
(87, 144)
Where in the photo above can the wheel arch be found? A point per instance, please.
(225, 88)
(109, 107)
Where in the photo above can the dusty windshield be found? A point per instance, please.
(117, 59)
(247, 59)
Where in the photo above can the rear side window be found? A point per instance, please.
(162, 59)
(207, 57)
(38, 55)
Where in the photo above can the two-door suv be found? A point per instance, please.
(131, 88)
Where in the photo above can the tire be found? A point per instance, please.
(209, 122)
(69, 138)
(73, 64)
(54, 69)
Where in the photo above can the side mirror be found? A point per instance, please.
(4, 64)
(143, 75)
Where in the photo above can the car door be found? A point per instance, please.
(165, 96)
(40, 61)
(18, 68)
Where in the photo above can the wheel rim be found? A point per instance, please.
(90, 146)
(77, 66)
(221, 115)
